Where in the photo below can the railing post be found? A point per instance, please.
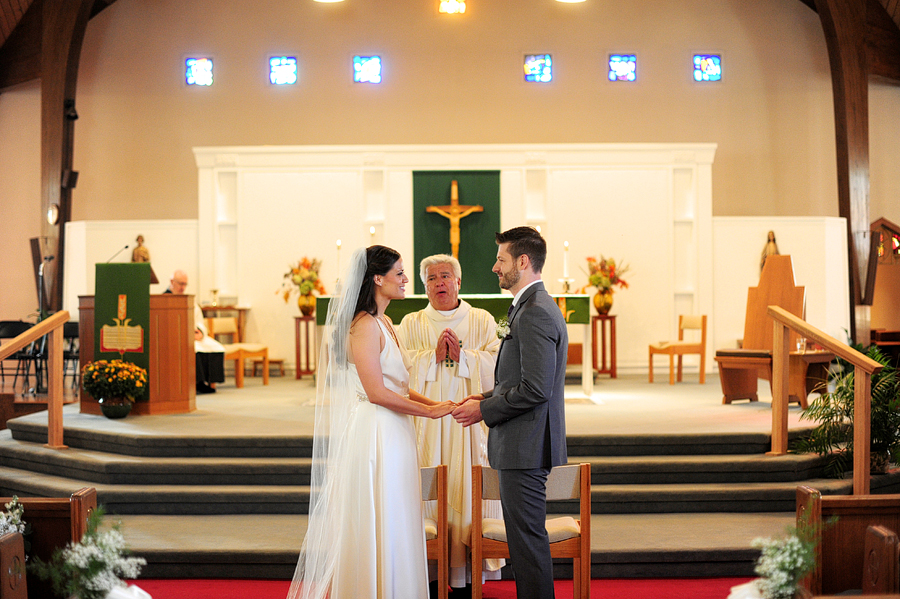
(55, 389)
(862, 416)
(780, 357)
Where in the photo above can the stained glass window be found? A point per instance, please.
(198, 71)
(283, 70)
(707, 67)
(622, 67)
(367, 69)
(538, 67)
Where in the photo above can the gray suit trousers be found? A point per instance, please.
(523, 495)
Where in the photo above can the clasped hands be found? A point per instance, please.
(447, 343)
(467, 412)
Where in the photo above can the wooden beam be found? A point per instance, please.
(844, 24)
(63, 25)
(882, 43)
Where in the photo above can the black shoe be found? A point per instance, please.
(203, 388)
(461, 593)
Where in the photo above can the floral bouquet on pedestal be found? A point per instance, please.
(303, 278)
(604, 274)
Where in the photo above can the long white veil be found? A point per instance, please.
(335, 398)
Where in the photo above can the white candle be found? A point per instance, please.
(339, 255)
(372, 234)
(566, 260)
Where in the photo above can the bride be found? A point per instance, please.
(365, 537)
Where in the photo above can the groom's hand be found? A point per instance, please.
(469, 412)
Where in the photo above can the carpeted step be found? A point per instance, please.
(205, 499)
(114, 469)
(167, 445)
(106, 468)
(623, 546)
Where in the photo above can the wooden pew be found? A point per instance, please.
(12, 567)
(55, 521)
(881, 562)
(841, 554)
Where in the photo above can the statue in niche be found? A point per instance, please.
(140, 253)
(771, 249)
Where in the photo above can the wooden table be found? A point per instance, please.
(607, 321)
(305, 331)
(211, 311)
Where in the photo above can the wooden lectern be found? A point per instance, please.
(172, 371)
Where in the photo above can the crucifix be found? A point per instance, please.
(454, 213)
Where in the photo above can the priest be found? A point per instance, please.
(452, 349)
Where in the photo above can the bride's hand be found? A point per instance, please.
(439, 410)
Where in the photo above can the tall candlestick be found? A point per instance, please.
(566, 260)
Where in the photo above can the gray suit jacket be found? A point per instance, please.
(525, 410)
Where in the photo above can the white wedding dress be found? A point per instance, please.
(383, 557)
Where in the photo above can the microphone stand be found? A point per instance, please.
(39, 386)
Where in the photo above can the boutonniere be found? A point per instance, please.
(503, 328)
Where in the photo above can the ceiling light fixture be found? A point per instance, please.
(570, 1)
(452, 7)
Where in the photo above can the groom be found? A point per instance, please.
(525, 410)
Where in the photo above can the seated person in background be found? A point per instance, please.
(210, 353)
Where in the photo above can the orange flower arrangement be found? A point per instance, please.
(604, 274)
(303, 277)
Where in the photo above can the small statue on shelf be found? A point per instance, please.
(140, 253)
(771, 249)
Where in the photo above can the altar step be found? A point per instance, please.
(622, 546)
(117, 469)
(203, 485)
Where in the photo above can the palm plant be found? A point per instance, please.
(833, 410)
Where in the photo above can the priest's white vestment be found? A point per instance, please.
(443, 441)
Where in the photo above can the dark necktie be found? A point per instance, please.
(510, 311)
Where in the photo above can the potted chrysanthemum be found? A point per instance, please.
(115, 384)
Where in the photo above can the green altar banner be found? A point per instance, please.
(122, 312)
(575, 307)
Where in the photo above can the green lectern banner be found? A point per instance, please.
(122, 313)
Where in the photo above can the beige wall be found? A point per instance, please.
(447, 80)
(20, 214)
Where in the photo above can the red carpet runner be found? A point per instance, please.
(669, 588)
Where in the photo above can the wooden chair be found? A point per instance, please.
(841, 559)
(681, 347)
(568, 537)
(12, 567)
(437, 535)
(739, 369)
(239, 352)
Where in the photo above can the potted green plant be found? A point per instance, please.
(115, 384)
(833, 410)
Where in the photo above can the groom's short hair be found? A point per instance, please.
(525, 240)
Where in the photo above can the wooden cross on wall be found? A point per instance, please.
(454, 213)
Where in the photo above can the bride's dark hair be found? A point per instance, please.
(379, 260)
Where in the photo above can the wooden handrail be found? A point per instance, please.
(53, 328)
(864, 368)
